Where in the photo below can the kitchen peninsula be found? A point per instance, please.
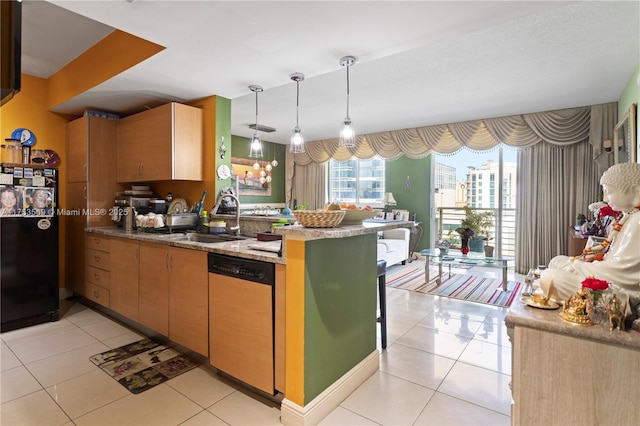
(327, 293)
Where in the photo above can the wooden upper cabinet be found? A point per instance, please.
(164, 143)
(76, 149)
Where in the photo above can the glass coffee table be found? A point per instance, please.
(452, 258)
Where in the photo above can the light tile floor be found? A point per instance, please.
(448, 362)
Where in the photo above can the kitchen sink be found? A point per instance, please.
(209, 238)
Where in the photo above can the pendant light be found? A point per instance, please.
(347, 134)
(297, 140)
(255, 150)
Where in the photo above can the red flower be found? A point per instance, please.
(608, 211)
(595, 284)
(465, 232)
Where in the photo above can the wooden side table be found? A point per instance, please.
(576, 242)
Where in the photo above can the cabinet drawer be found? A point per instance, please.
(98, 242)
(97, 276)
(97, 294)
(98, 259)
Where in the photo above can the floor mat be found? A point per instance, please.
(143, 364)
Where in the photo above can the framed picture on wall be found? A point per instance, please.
(625, 145)
(251, 180)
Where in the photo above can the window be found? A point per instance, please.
(357, 181)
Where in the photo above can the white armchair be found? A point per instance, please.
(393, 247)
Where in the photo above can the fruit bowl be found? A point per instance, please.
(355, 217)
(319, 218)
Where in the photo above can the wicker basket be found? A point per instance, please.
(319, 218)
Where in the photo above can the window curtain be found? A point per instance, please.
(305, 184)
(559, 182)
(560, 127)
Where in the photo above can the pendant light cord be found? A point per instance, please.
(297, 100)
(256, 112)
(348, 66)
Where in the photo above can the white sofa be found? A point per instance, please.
(393, 247)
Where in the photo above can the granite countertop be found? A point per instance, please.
(236, 248)
(523, 315)
(342, 231)
(241, 248)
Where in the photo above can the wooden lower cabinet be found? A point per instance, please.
(124, 277)
(97, 274)
(188, 299)
(174, 294)
(154, 287)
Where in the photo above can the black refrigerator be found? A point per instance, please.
(28, 245)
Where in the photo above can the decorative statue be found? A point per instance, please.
(617, 259)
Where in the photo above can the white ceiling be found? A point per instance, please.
(418, 62)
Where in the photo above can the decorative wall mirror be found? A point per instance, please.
(624, 138)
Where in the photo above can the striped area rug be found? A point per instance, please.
(459, 286)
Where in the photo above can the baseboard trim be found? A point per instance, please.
(317, 409)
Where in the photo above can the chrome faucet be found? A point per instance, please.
(233, 197)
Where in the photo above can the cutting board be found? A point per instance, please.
(270, 246)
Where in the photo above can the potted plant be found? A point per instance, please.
(580, 219)
(480, 223)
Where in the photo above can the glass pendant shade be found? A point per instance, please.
(263, 180)
(256, 165)
(268, 178)
(297, 140)
(255, 149)
(274, 163)
(347, 133)
(268, 167)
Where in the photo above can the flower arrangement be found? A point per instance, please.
(606, 210)
(465, 232)
(595, 284)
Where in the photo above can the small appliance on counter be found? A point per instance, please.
(176, 221)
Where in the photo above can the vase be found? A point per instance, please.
(464, 248)
(488, 251)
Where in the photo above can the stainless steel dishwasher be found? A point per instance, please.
(241, 319)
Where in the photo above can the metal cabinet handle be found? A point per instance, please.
(84, 169)
(96, 294)
(97, 241)
(170, 261)
(96, 276)
(166, 261)
(97, 258)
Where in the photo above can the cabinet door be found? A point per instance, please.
(75, 223)
(188, 299)
(102, 172)
(124, 277)
(76, 150)
(188, 143)
(144, 143)
(154, 287)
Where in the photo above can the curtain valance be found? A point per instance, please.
(560, 127)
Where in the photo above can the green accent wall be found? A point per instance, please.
(340, 308)
(416, 199)
(240, 148)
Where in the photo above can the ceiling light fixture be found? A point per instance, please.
(347, 134)
(255, 150)
(297, 140)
